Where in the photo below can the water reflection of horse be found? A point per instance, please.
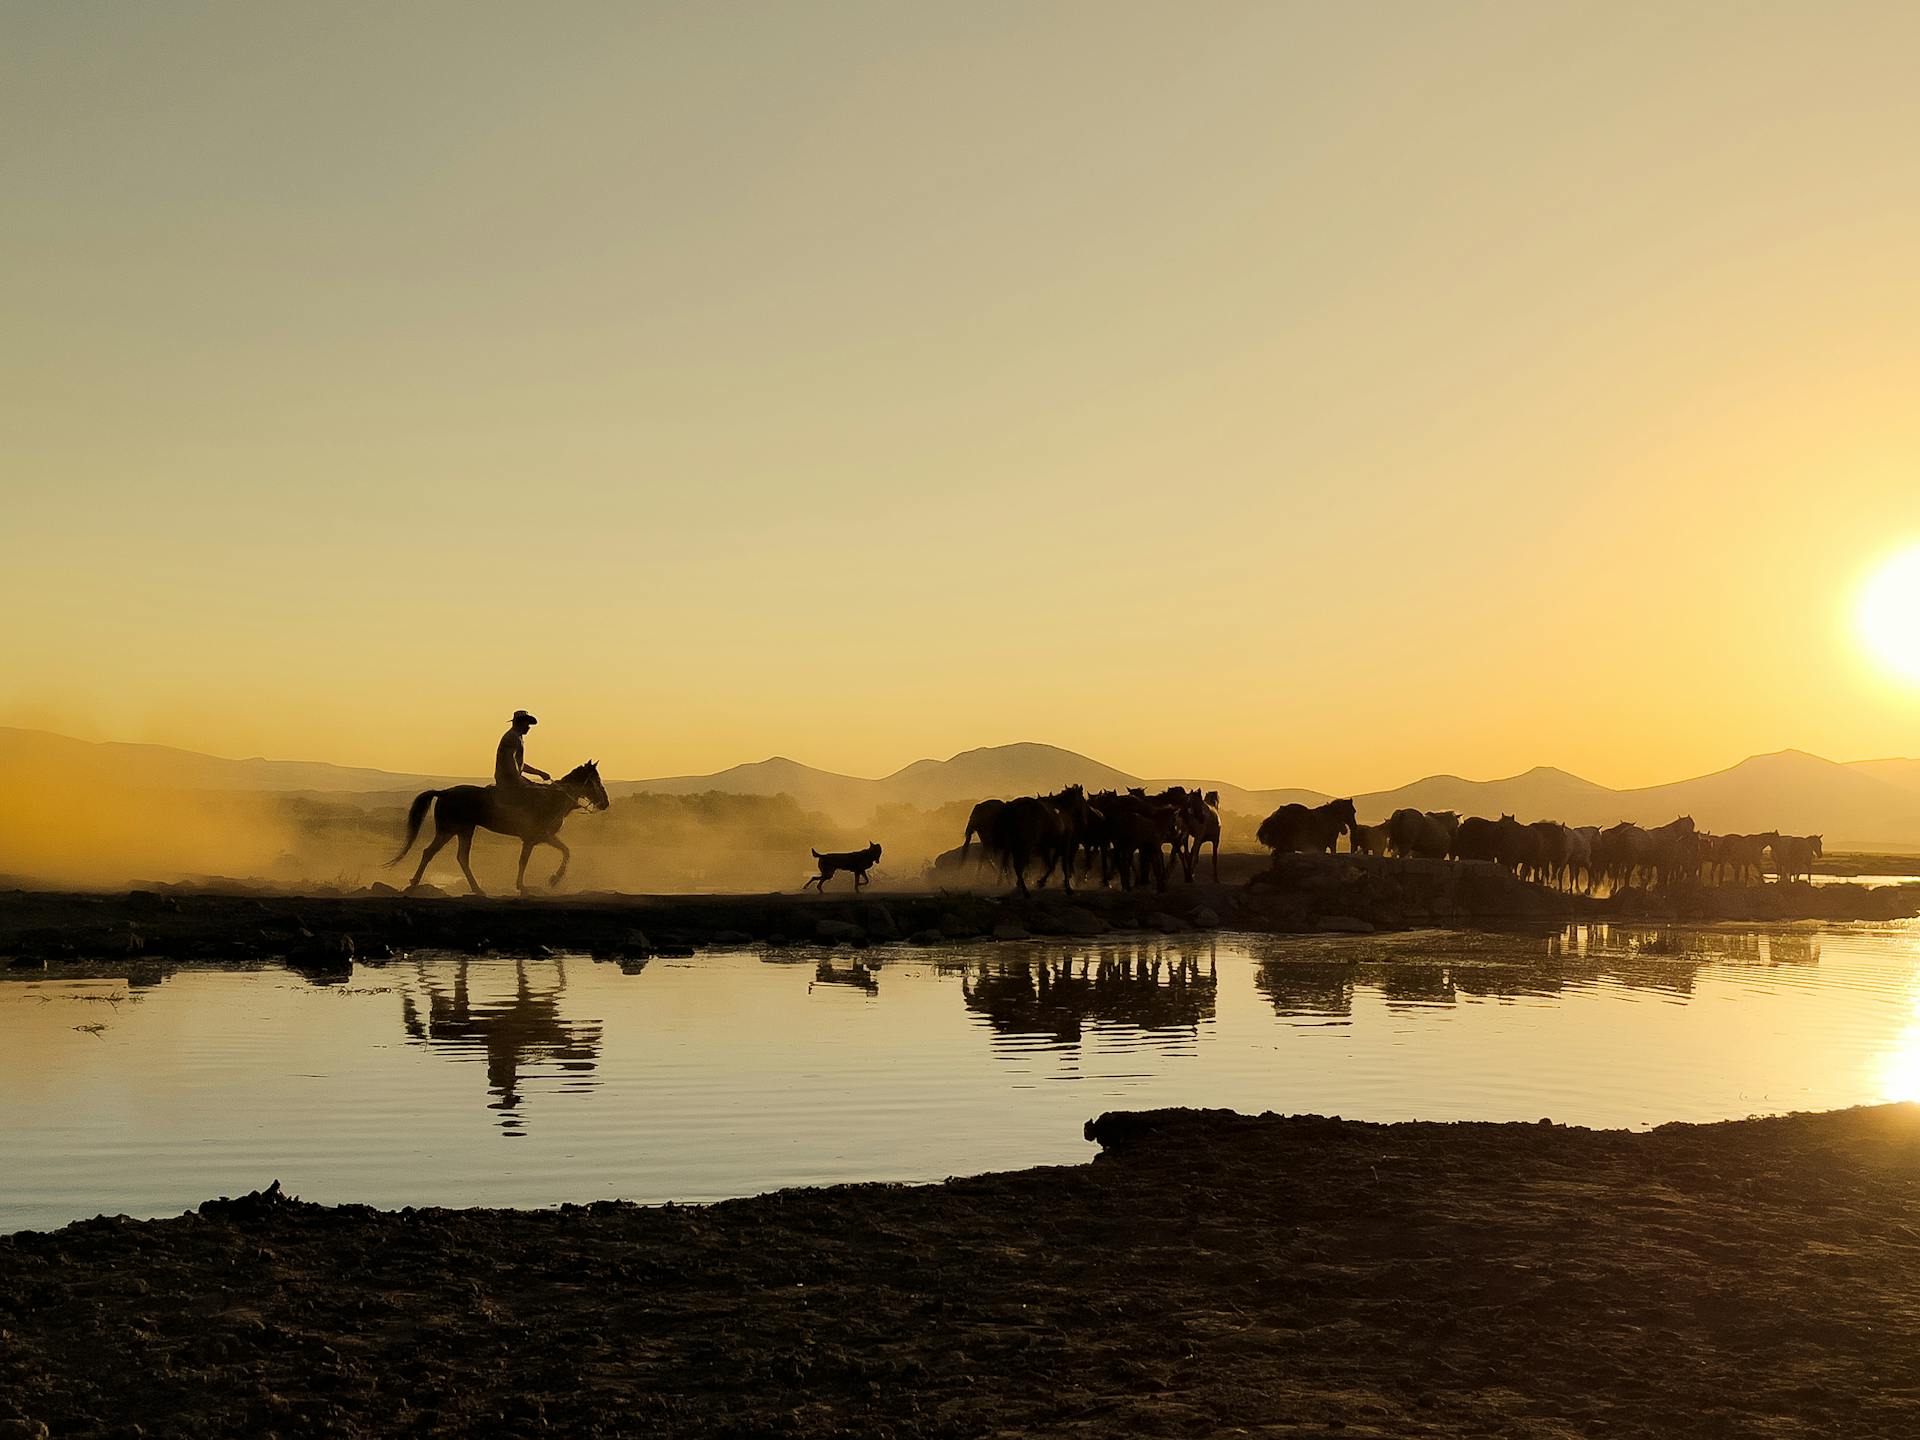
(531, 813)
(1309, 987)
(509, 1034)
(1123, 986)
(1321, 979)
(1696, 946)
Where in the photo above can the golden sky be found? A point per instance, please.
(1295, 394)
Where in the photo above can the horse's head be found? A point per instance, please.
(585, 780)
(1073, 801)
(1343, 811)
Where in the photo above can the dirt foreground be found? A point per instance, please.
(1209, 1274)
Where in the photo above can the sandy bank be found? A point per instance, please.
(1209, 1273)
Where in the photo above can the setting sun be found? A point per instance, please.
(1890, 614)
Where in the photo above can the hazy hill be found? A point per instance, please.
(1904, 773)
(845, 797)
(1540, 793)
(46, 754)
(995, 770)
(1003, 770)
(1793, 791)
(1869, 804)
(1872, 804)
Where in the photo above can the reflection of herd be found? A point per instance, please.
(1173, 989)
(1136, 837)
(1165, 989)
(1321, 982)
(1055, 997)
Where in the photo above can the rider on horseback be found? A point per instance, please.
(510, 768)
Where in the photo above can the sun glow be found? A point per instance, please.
(1890, 614)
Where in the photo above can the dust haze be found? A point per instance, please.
(89, 826)
(108, 824)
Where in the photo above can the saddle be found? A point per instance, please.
(515, 796)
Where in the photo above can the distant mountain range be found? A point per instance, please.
(1865, 804)
(1004, 770)
(44, 753)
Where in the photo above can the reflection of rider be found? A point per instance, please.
(510, 768)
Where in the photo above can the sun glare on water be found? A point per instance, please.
(1890, 614)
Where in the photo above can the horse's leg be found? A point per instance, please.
(566, 859)
(466, 846)
(520, 878)
(434, 846)
(1047, 874)
(1216, 859)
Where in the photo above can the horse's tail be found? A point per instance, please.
(415, 814)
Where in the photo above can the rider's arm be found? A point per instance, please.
(527, 769)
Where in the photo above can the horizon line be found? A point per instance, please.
(1442, 775)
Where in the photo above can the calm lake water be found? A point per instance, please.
(461, 1082)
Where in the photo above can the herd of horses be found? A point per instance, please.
(1585, 857)
(1136, 837)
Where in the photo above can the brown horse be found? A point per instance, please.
(1372, 839)
(533, 814)
(1296, 827)
(1793, 856)
(1424, 835)
(1743, 858)
(980, 822)
(1039, 828)
(1200, 823)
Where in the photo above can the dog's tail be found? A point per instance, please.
(815, 853)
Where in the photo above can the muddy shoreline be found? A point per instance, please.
(1208, 1272)
(326, 933)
